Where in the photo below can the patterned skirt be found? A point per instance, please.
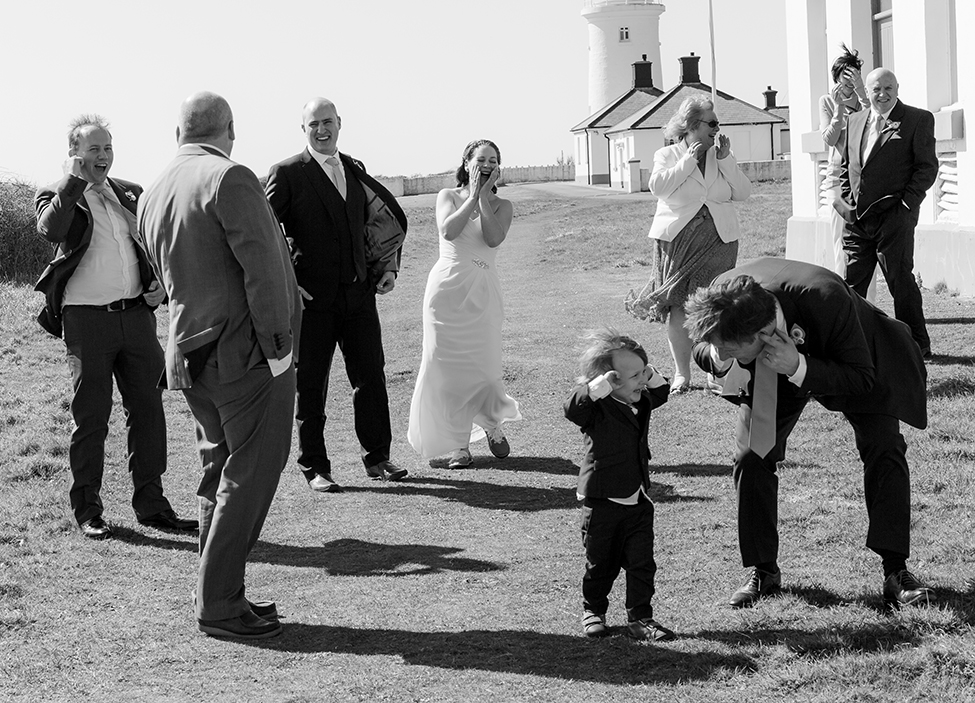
(691, 261)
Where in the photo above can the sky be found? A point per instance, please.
(414, 82)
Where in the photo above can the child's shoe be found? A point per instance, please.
(594, 625)
(649, 629)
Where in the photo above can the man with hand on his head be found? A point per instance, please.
(100, 295)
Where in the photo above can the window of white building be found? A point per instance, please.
(624, 34)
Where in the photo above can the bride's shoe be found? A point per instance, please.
(679, 385)
(460, 459)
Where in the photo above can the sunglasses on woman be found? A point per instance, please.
(713, 124)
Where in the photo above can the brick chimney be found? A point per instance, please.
(643, 74)
(689, 72)
(770, 98)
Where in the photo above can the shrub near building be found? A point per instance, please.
(23, 253)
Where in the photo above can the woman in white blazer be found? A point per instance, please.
(695, 228)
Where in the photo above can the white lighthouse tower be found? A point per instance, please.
(620, 33)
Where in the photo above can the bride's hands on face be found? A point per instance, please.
(492, 180)
(474, 178)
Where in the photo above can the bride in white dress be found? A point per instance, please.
(459, 396)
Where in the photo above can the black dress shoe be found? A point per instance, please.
(324, 483)
(761, 585)
(96, 528)
(902, 588)
(169, 520)
(246, 626)
(387, 471)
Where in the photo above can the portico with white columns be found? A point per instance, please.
(917, 39)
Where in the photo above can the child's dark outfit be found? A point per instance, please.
(617, 514)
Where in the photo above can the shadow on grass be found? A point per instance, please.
(693, 470)
(354, 557)
(950, 360)
(517, 464)
(950, 320)
(614, 660)
(493, 496)
(828, 641)
(952, 388)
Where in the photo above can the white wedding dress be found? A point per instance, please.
(459, 390)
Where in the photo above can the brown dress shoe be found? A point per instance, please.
(387, 471)
(323, 483)
(649, 629)
(169, 520)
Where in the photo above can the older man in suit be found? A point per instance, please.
(234, 309)
(888, 166)
(323, 199)
(775, 333)
(100, 295)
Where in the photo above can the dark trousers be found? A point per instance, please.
(243, 432)
(886, 481)
(351, 322)
(887, 238)
(618, 537)
(102, 345)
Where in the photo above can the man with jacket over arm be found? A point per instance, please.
(345, 231)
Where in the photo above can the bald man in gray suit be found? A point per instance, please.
(234, 313)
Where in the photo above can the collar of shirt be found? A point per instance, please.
(321, 159)
(211, 146)
(885, 115)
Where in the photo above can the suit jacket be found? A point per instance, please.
(858, 359)
(63, 218)
(617, 454)
(682, 189)
(320, 227)
(902, 165)
(215, 245)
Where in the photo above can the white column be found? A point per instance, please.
(921, 48)
(805, 23)
(849, 22)
(965, 18)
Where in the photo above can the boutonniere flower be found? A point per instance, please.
(130, 195)
(798, 335)
(892, 127)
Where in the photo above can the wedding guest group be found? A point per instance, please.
(459, 395)
(100, 294)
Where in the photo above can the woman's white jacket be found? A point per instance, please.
(681, 190)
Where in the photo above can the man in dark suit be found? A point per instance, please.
(888, 166)
(322, 199)
(775, 333)
(234, 309)
(100, 294)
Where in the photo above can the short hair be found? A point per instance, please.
(687, 116)
(734, 311)
(463, 177)
(849, 58)
(204, 115)
(597, 358)
(82, 122)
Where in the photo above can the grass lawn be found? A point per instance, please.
(465, 585)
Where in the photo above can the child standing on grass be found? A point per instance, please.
(611, 404)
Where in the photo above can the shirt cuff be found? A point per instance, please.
(600, 387)
(800, 375)
(279, 366)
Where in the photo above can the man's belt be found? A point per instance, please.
(117, 305)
